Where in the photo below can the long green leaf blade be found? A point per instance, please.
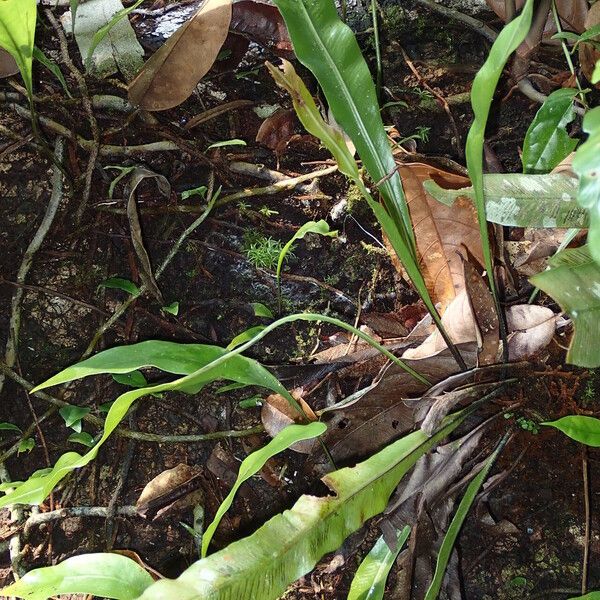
(482, 94)
(456, 524)
(256, 461)
(369, 581)
(518, 200)
(580, 428)
(327, 46)
(104, 575)
(290, 544)
(196, 363)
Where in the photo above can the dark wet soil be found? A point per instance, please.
(526, 537)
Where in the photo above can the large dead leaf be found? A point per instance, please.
(532, 328)
(441, 231)
(572, 14)
(171, 74)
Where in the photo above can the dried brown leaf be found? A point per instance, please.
(170, 491)
(135, 226)
(532, 328)
(171, 74)
(484, 310)
(8, 66)
(277, 413)
(441, 231)
(262, 23)
(275, 131)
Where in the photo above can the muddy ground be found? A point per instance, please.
(527, 539)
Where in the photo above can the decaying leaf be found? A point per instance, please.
(170, 491)
(459, 323)
(588, 54)
(440, 231)
(532, 328)
(381, 414)
(484, 310)
(171, 74)
(118, 50)
(523, 322)
(277, 413)
(8, 66)
(146, 274)
(262, 23)
(275, 131)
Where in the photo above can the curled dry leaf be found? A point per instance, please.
(532, 328)
(441, 231)
(588, 54)
(277, 413)
(484, 310)
(170, 491)
(146, 274)
(8, 66)
(275, 131)
(262, 23)
(459, 323)
(171, 74)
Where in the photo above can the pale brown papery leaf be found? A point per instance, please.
(441, 231)
(171, 74)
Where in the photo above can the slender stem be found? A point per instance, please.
(567, 54)
(586, 502)
(379, 75)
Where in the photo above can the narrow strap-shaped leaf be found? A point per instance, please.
(369, 581)
(327, 46)
(104, 575)
(198, 364)
(457, 522)
(262, 565)
(519, 200)
(253, 463)
(482, 94)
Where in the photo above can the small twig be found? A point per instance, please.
(10, 355)
(125, 305)
(112, 505)
(87, 105)
(16, 516)
(586, 503)
(75, 512)
(275, 188)
(105, 149)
